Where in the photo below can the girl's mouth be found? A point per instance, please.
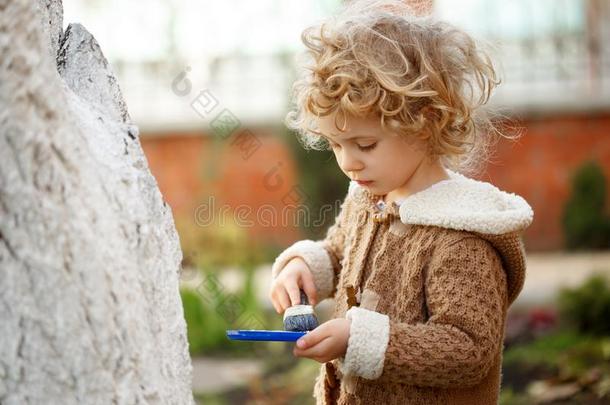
(364, 183)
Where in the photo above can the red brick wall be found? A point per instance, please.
(193, 170)
(538, 167)
(176, 161)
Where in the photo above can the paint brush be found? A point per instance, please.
(300, 317)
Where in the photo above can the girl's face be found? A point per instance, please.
(366, 152)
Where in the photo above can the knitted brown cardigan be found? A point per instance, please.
(433, 277)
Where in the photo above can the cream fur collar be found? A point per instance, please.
(463, 203)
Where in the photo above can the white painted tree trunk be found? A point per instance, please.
(90, 311)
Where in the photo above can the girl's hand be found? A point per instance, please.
(326, 342)
(284, 291)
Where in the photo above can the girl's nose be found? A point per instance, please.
(349, 163)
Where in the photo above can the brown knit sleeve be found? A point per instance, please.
(466, 302)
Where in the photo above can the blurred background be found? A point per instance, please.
(208, 83)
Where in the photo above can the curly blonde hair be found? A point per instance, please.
(419, 76)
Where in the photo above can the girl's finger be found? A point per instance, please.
(313, 337)
(284, 300)
(309, 287)
(318, 350)
(271, 297)
(293, 292)
(274, 301)
(276, 306)
(320, 359)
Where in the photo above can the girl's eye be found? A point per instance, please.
(363, 148)
(368, 147)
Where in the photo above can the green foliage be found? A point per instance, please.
(287, 380)
(565, 350)
(587, 307)
(590, 353)
(195, 318)
(205, 328)
(210, 310)
(509, 397)
(210, 399)
(564, 355)
(586, 226)
(543, 351)
(220, 243)
(323, 183)
(576, 352)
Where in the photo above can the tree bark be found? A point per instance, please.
(90, 310)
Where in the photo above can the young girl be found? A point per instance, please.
(422, 262)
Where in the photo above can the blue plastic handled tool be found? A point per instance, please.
(264, 335)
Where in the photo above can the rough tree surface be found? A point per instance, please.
(90, 310)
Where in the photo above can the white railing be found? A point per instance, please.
(553, 54)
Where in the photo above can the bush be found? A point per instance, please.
(322, 182)
(221, 243)
(577, 353)
(210, 310)
(194, 317)
(585, 224)
(587, 307)
(543, 351)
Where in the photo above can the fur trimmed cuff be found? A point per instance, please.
(318, 260)
(368, 340)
